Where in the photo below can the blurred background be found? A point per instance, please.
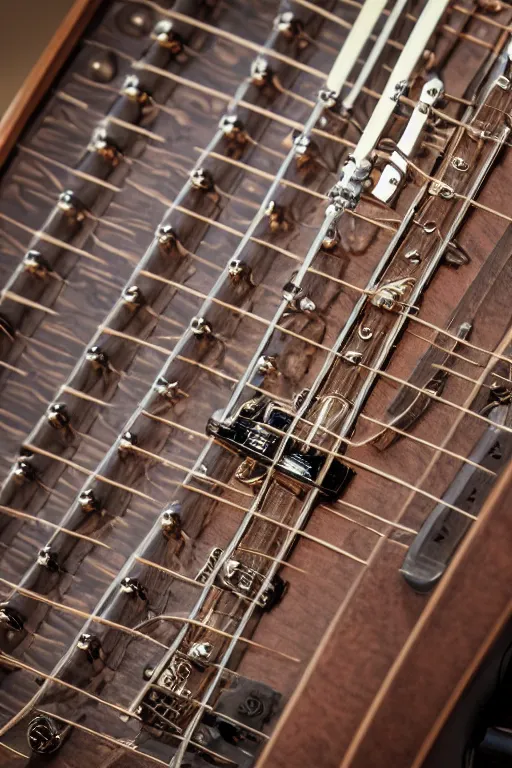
(26, 27)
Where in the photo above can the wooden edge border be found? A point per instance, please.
(496, 505)
(43, 73)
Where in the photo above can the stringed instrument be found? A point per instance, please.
(256, 371)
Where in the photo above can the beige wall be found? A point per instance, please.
(26, 27)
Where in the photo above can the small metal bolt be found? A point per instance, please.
(88, 501)
(200, 327)
(127, 441)
(57, 416)
(260, 72)
(266, 365)
(133, 297)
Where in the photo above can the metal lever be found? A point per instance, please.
(436, 543)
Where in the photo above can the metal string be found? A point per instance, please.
(11, 661)
(451, 431)
(125, 746)
(111, 118)
(33, 518)
(465, 342)
(193, 489)
(14, 751)
(135, 631)
(287, 331)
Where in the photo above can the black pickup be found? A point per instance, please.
(255, 431)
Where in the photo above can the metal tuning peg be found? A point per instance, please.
(261, 73)
(277, 221)
(89, 502)
(127, 441)
(133, 298)
(331, 239)
(327, 97)
(12, 618)
(171, 521)
(288, 25)
(48, 559)
(23, 471)
(132, 90)
(134, 588)
(57, 416)
(297, 300)
(91, 645)
(97, 358)
(352, 357)
(245, 581)
(169, 390)
(391, 296)
(70, 206)
(233, 129)
(291, 28)
(166, 237)
(201, 178)
(164, 34)
(200, 327)
(267, 365)
(101, 145)
(306, 151)
(239, 272)
(35, 264)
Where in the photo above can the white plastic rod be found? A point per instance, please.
(354, 44)
(401, 73)
(374, 54)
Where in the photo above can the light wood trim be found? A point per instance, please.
(43, 73)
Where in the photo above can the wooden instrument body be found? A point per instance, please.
(369, 668)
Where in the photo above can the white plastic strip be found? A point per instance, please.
(354, 44)
(401, 73)
(391, 176)
(374, 54)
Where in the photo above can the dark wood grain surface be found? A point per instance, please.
(337, 657)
